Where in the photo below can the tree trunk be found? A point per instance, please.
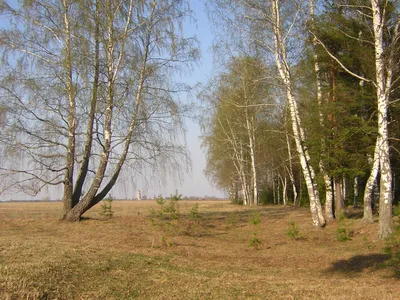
(355, 189)
(329, 197)
(81, 207)
(93, 196)
(283, 68)
(250, 132)
(290, 172)
(327, 180)
(93, 104)
(344, 190)
(87, 201)
(369, 187)
(236, 193)
(339, 203)
(246, 196)
(278, 192)
(284, 189)
(384, 71)
(69, 162)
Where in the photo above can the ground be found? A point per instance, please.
(204, 254)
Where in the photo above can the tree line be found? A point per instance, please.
(304, 109)
(305, 105)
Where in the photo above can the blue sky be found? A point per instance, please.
(195, 183)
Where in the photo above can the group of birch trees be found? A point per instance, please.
(87, 90)
(322, 103)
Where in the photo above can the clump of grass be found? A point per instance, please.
(255, 220)
(343, 232)
(255, 242)
(232, 219)
(396, 210)
(392, 248)
(165, 218)
(192, 225)
(237, 201)
(106, 208)
(176, 197)
(293, 232)
(367, 243)
(194, 212)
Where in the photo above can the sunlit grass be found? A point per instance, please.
(119, 258)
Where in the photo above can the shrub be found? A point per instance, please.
(194, 212)
(106, 208)
(255, 241)
(293, 231)
(192, 225)
(232, 219)
(343, 232)
(392, 248)
(396, 210)
(176, 197)
(237, 201)
(255, 220)
(165, 218)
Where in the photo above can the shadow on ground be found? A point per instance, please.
(272, 212)
(354, 212)
(359, 263)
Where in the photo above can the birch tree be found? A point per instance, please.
(385, 22)
(88, 90)
(238, 107)
(261, 22)
(323, 170)
(279, 50)
(385, 68)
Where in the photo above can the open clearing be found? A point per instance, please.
(209, 257)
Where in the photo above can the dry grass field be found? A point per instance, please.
(205, 255)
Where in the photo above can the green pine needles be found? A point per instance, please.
(293, 232)
(106, 208)
(343, 232)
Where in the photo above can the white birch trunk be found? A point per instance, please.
(290, 171)
(70, 162)
(355, 191)
(327, 179)
(112, 71)
(369, 187)
(84, 168)
(383, 86)
(238, 159)
(278, 192)
(328, 194)
(283, 68)
(245, 184)
(250, 132)
(344, 190)
(283, 180)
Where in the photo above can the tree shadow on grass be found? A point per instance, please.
(268, 211)
(359, 263)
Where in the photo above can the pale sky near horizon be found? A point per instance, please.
(194, 182)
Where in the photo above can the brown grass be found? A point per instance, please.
(210, 258)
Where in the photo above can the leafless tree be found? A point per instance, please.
(87, 88)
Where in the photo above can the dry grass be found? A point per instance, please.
(121, 258)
